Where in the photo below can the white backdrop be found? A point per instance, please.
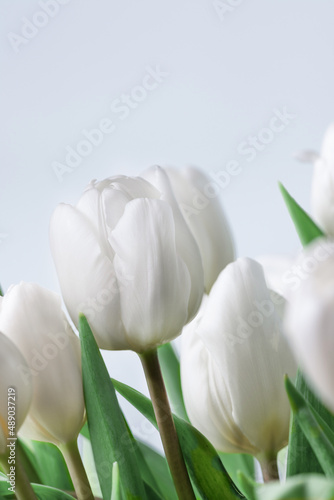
(177, 82)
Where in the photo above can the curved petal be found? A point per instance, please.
(186, 245)
(242, 331)
(327, 147)
(154, 281)
(32, 318)
(206, 398)
(135, 187)
(322, 195)
(13, 371)
(309, 319)
(86, 275)
(206, 219)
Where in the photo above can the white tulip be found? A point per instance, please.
(233, 360)
(126, 258)
(32, 318)
(202, 209)
(11, 360)
(309, 320)
(322, 195)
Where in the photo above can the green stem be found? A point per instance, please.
(23, 489)
(269, 467)
(166, 425)
(76, 469)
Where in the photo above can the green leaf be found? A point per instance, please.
(302, 487)
(248, 486)
(153, 490)
(109, 435)
(314, 433)
(85, 431)
(42, 492)
(305, 226)
(116, 486)
(238, 462)
(48, 464)
(203, 463)
(170, 367)
(153, 487)
(301, 457)
(28, 461)
(158, 466)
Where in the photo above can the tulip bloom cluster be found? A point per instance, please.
(138, 266)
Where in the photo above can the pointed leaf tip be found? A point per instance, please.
(296, 399)
(306, 228)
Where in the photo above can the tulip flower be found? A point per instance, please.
(126, 258)
(32, 318)
(233, 360)
(322, 196)
(202, 209)
(16, 392)
(309, 320)
(15, 399)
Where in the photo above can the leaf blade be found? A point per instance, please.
(204, 465)
(306, 228)
(317, 438)
(109, 436)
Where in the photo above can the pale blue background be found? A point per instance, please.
(225, 78)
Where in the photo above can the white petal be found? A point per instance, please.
(86, 276)
(32, 318)
(206, 398)
(13, 368)
(322, 195)
(206, 219)
(155, 281)
(327, 148)
(113, 203)
(186, 245)
(136, 187)
(242, 331)
(310, 318)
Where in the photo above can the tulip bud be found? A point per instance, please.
(322, 195)
(126, 258)
(199, 200)
(309, 319)
(233, 360)
(32, 318)
(15, 393)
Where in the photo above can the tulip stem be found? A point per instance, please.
(166, 425)
(22, 486)
(269, 467)
(76, 469)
